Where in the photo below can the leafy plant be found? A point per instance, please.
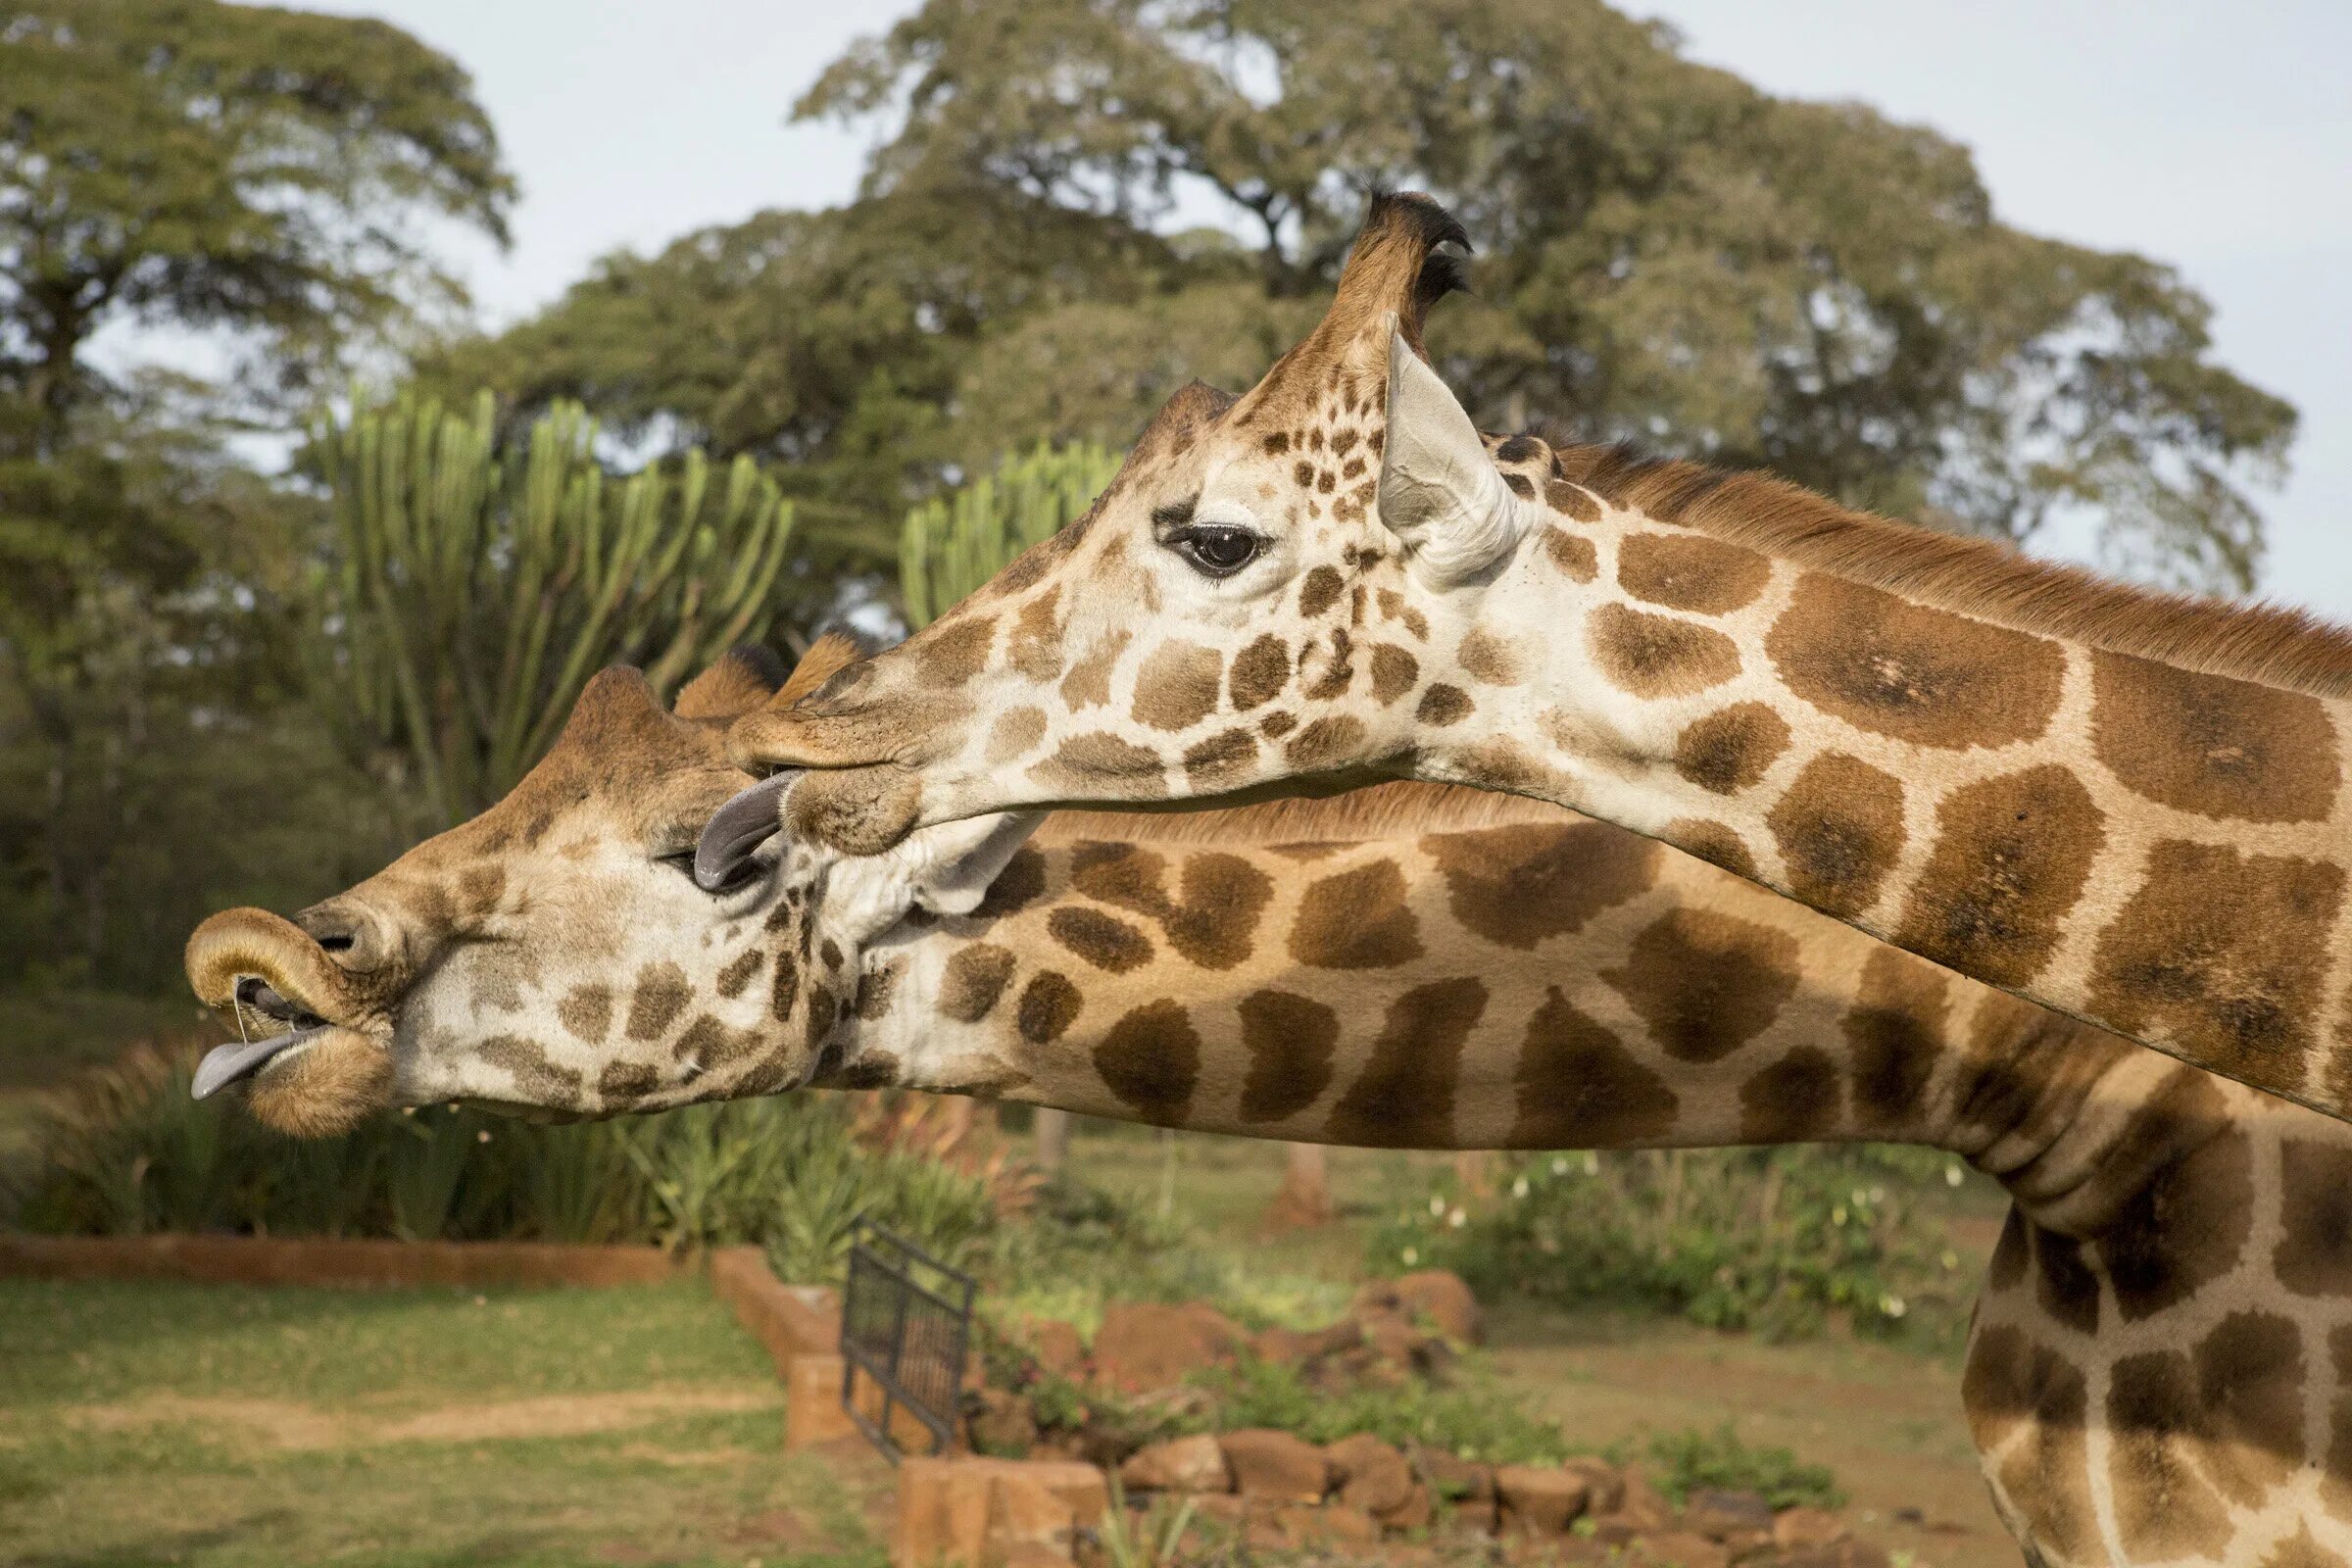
(1691, 1459)
(1773, 1240)
(1473, 1417)
(951, 545)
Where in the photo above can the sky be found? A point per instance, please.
(2217, 138)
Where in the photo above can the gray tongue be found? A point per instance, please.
(223, 1065)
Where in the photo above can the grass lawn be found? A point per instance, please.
(220, 1425)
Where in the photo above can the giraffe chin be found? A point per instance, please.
(856, 810)
(323, 1086)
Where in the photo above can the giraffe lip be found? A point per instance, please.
(240, 1060)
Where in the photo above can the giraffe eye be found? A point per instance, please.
(1216, 552)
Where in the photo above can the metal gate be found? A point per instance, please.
(906, 1325)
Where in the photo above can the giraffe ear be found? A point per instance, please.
(1440, 493)
(960, 860)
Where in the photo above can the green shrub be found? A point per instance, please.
(1472, 1416)
(1773, 1240)
(126, 1151)
(1687, 1460)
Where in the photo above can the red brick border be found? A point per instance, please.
(346, 1262)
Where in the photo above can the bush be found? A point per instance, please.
(1689, 1460)
(1774, 1240)
(1472, 1417)
(124, 1152)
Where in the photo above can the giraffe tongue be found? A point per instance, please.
(739, 828)
(223, 1065)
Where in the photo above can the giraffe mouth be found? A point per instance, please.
(226, 1065)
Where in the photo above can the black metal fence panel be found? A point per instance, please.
(905, 1328)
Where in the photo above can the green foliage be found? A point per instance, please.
(1688, 1460)
(218, 166)
(1474, 1417)
(1773, 1240)
(951, 544)
(475, 590)
(1667, 254)
(126, 1151)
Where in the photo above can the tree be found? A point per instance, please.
(208, 166)
(474, 590)
(1669, 254)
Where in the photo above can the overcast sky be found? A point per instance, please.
(2215, 137)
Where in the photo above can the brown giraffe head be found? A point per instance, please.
(565, 950)
(1273, 585)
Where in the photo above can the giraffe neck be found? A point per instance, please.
(2140, 845)
(1384, 994)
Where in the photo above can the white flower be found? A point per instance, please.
(1837, 1215)
(1519, 1188)
(482, 1137)
(1410, 1255)
(1457, 1219)
(1954, 1175)
(1893, 1306)
(1591, 1163)
(1559, 1166)
(1436, 1204)
(1950, 1258)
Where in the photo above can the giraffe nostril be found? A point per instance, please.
(351, 936)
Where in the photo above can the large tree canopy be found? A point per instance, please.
(1670, 254)
(209, 165)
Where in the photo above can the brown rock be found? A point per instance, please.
(1849, 1552)
(1643, 1506)
(1415, 1512)
(1055, 1345)
(1371, 1474)
(1682, 1549)
(1276, 1466)
(1278, 1347)
(1806, 1527)
(1462, 1486)
(999, 1423)
(1335, 1338)
(1306, 1528)
(1441, 1297)
(1181, 1464)
(1540, 1499)
(1607, 1480)
(1143, 1345)
(994, 1510)
(1721, 1515)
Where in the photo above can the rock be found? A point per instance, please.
(1055, 1345)
(1276, 1466)
(1181, 1464)
(1721, 1515)
(1540, 1499)
(1335, 1338)
(1371, 1474)
(1441, 1297)
(1642, 1506)
(1607, 1480)
(999, 1423)
(1683, 1548)
(996, 1510)
(1461, 1486)
(1143, 1345)
(1278, 1347)
(1302, 1527)
(1806, 1527)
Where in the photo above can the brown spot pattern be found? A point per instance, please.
(2012, 855)
(2186, 1228)
(1576, 1086)
(1706, 983)
(2213, 745)
(1210, 921)
(1394, 672)
(1656, 656)
(587, 1011)
(952, 651)
(2224, 953)
(2314, 1255)
(1355, 919)
(1490, 659)
(1319, 592)
(1048, 1006)
(1571, 553)
(1097, 760)
(1790, 1099)
(1691, 571)
(1088, 684)
(1259, 672)
(1839, 828)
(1015, 888)
(1712, 841)
(1405, 1096)
(1220, 761)
(972, 981)
(661, 994)
(1518, 884)
(2163, 1507)
(1896, 1031)
(1326, 742)
(2013, 1380)
(1151, 1059)
(1103, 940)
(2250, 1381)
(1017, 731)
(1443, 705)
(1177, 686)
(1573, 500)
(1291, 1040)
(1921, 675)
(738, 971)
(1730, 749)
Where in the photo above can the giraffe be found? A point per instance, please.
(2127, 806)
(2160, 1368)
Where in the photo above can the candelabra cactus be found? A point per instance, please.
(473, 590)
(953, 544)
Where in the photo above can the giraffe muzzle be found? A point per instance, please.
(271, 981)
